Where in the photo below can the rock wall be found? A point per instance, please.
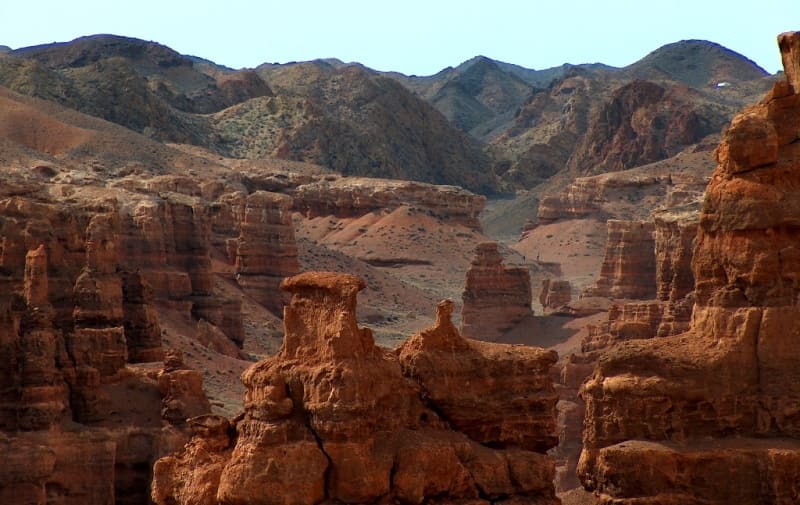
(333, 418)
(629, 265)
(73, 320)
(718, 401)
(495, 297)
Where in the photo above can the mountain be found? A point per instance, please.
(696, 63)
(344, 116)
(486, 125)
(589, 122)
(481, 95)
(356, 122)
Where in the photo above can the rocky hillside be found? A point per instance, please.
(696, 63)
(350, 119)
(484, 125)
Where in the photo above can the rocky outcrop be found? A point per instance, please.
(675, 239)
(496, 297)
(182, 395)
(629, 194)
(641, 123)
(511, 404)
(332, 417)
(625, 322)
(266, 251)
(72, 323)
(555, 294)
(354, 196)
(628, 269)
(169, 239)
(718, 400)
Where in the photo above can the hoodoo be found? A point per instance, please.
(334, 418)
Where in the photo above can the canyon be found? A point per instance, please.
(320, 283)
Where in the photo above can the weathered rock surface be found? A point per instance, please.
(73, 320)
(641, 123)
(332, 417)
(496, 297)
(555, 293)
(629, 266)
(355, 196)
(266, 251)
(675, 239)
(718, 400)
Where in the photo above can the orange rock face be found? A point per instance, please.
(496, 297)
(709, 416)
(72, 320)
(266, 251)
(629, 269)
(333, 418)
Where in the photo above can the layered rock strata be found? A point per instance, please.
(629, 265)
(675, 238)
(555, 294)
(266, 251)
(496, 297)
(71, 323)
(354, 196)
(333, 418)
(709, 416)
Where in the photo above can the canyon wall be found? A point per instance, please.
(708, 416)
(73, 401)
(333, 417)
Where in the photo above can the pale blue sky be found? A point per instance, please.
(411, 36)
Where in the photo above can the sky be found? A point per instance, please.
(417, 37)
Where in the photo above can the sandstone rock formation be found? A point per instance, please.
(356, 196)
(266, 251)
(708, 416)
(675, 237)
(496, 297)
(332, 417)
(181, 389)
(72, 322)
(629, 269)
(555, 293)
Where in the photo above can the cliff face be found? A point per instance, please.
(716, 400)
(628, 269)
(496, 297)
(675, 239)
(332, 417)
(71, 399)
